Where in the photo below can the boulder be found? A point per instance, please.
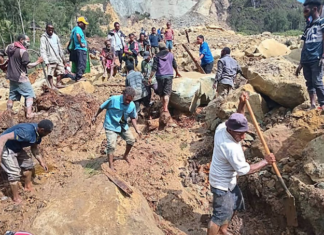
(249, 52)
(294, 56)
(272, 48)
(284, 142)
(77, 88)
(216, 53)
(95, 206)
(203, 7)
(287, 93)
(192, 90)
(215, 27)
(314, 159)
(221, 108)
(266, 34)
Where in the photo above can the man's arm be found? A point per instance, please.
(239, 71)
(35, 152)
(175, 66)
(241, 107)
(3, 141)
(42, 50)
(96, 115)
(219, 71)
(134, 122)
(154, 67)
(268, 160)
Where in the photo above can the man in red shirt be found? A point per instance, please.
(169, 36)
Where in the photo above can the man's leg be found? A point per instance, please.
(308, 74)
(50, 81)
(166, 100)
(26, 164)
(82, 63)
(111, 145)
(167, 93)
(103, 62)
(130, 140)
(29, 107)
(317, 77)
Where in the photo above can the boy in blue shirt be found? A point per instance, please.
(205, 55)
(312, 55)
(119, 109)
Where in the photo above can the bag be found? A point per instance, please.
(70, 48)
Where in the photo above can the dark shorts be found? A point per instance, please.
(208, 67)
(225, 203)
(164, 86)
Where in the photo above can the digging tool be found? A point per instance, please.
(38, 54)
(200, 69)
(289, 201)
(187, 36)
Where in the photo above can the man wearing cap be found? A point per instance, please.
(162, 69)
(228, 162)
(312, 55)
(80, 47)
(14, 159)
(227, 69)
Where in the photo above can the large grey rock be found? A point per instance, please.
(192, 90)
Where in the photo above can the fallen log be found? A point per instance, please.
(113, 177)
(200, 69)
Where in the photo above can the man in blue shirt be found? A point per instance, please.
(155, 38)
(14, 159)
(312, 55)
(205, 55)
(80, 46)
(119, 109)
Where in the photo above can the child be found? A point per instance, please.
(169, 36)
(107, 57)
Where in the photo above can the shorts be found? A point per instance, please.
(12, 163)
(112, 139)
(225, 203)
(169, 44)
(224, 89)
(18, 89)
(155, 50)
(164, 86)
(55, 69)
(208, 67)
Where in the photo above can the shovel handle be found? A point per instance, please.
(264, 143)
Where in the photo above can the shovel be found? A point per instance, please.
(289, 201)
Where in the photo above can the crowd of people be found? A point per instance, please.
(156, 74)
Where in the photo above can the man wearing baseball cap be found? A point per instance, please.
(80, 47)
(312, 55)
(228, 162)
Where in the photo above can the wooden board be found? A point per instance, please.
(115, 178)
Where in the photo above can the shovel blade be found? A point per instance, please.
(290, 211)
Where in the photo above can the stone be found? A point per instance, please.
(215, 27)
(284, 142)
(192, 90)
(294, 56)
(216, 54)
(285, 92)
(222, 108)
(314, 159)
(249, 52)
(203, 7)
(266, 34)
(272, 48)
(78, 87)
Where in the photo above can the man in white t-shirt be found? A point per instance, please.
(229, 162)
(117, 39)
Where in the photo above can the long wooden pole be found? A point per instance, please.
(200, 69)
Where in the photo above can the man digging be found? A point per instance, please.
(14, 159)
(119, 109)
(228, 162)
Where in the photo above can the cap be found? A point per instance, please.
(315, 2)
(237, 122)
(162, 46)
(83, 20)
(146, 55)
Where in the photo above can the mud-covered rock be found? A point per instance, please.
(77, 88)
(271, 48)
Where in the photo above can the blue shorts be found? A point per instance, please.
(18, 89)
(169, 44)
(225, 203)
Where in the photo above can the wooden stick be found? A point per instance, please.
(200, 69)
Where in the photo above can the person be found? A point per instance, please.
(3, 62)
(68, 73)
(51, 52)
(143, 44)
(81, 47)
(154, 41)
(312, 55)
(227, 69)
(228, 162)
(163, 66)
(205, 55)
(136, 80)
(146, 69)
(17, 73)
(107, 57)
(14, 159)
(117, 39)
(131, 51)
(119, 109)
(169, 36)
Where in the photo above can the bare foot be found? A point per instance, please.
(59, 85)
(29, 189)
(126, 159)
(17, 200)
(31, 115)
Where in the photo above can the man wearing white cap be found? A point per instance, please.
(228, 162)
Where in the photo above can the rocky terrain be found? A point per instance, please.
(169, 168)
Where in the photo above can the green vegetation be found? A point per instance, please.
(17, 16)
(256, 16)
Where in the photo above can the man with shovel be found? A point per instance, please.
(228, 162)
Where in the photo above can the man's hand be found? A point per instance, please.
(321, 62)
(43, 164)
(150, 81)
(298, 70)
(82, 45)
(93, 121)
(270, 158)
(178, 75)
(215, 86)
(40, 60)
(139, 133)
(244, 96)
